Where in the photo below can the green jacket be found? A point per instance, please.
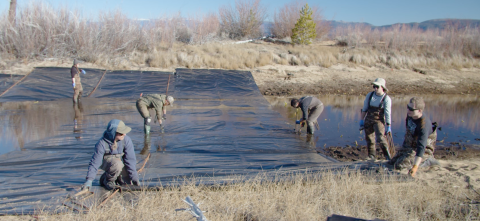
(155, 101)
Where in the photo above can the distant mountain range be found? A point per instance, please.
(429, 24)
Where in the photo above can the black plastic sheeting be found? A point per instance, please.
(219, 125)
(50, 83)
(7, 80)
(129, 84)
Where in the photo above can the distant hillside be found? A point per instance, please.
(429, 24)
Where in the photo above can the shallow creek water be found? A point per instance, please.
(457, 115)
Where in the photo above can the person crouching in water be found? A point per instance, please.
(308, 104)
(420, 137)
(157, 102)
(377, 107)
(115, 154)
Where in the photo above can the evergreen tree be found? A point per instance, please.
(304, 30)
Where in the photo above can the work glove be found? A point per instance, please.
(413, 171)
(164, 116)
(362, 123)
(388, 129)
(87, 185)
(73, 84)
(83, 71)
(136, 183)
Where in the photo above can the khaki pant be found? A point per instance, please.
(312, 118)
(405, 158)
(115, 170)
(376, 129)
(77, 93)
(142, 108)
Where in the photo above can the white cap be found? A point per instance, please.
(170, 99)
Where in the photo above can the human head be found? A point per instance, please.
(380, 82)
(294, 102)
(75, 62)
(415, 107)
(170, 100)
(121, 131)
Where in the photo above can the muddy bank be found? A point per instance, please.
(452, 151)
(278, 80)
(359, 88)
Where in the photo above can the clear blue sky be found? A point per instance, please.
(376, 12)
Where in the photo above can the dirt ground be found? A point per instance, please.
(281, 80)
(452, 151)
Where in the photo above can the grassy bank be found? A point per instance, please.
(113, 40)
(304, 197)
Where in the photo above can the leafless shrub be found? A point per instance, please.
(244, 20)
(285, 18)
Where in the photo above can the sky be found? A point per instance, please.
(376, 12)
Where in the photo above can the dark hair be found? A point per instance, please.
(294, 102)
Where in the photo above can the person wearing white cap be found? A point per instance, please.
(115, 154)
(376, 111)
(157, 102)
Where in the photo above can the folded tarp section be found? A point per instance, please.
(130, 84)
(7, 80)
(50, 83)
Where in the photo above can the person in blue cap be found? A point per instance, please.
(114, 153)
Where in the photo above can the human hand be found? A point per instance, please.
(362, 123)
(83, 71)
(87, 185)
(164, 116)
(136, 183)
(413, 171)
(388, 129)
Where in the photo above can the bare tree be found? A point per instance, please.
(12, 11)
(245, 20)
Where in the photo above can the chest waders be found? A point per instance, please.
(375, 128)
(405, 157)
(113, 166)
(78, 89)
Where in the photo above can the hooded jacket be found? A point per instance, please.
(306, 103)
(124, 146)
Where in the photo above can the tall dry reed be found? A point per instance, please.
(304, 196)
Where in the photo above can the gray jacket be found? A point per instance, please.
(125, 146)
(307, 103)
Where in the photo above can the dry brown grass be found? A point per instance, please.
(115, 41)
(307, 196)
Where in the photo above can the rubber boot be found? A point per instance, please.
(386, 154)
(371, 154)
(146, 129)
(310, 128)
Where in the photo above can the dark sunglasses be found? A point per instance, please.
(376, 86)
(411, 109)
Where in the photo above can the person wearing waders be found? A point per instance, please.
(115, 154)
(420, 137)
(311, 109)
(377, 108)
(157, 102)
(76, 81)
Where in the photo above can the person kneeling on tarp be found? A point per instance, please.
(157, 102)
(311, 109)
(115, 154)
(420, 137)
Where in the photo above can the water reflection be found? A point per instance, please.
(458, 115)
(78, 120)
(26, 122)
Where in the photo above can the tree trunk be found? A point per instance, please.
(12, 11)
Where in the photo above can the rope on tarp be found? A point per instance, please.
(15, 83)
(98, 83)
